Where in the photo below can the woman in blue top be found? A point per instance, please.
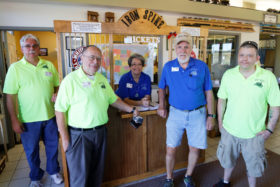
(135, 86)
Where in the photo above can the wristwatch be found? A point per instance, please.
(211, 115)
(133, 109)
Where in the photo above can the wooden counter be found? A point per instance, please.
(134, 154)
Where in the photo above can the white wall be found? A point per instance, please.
(18, 14)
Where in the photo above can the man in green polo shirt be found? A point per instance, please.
(33, 82)
(81, 109)
(244, 95)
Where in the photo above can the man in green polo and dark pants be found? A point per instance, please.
(244, 95)
(33, 82)
(81, 110)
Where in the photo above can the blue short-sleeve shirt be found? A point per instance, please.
(186, 87)
(128, 88)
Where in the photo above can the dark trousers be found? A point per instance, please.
(30, 140)
(85, 157)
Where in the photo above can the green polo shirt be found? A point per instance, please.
(85, 101)
(247, 100)
(34, 86)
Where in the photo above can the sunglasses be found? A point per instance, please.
(250, 44)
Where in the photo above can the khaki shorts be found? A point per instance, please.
(252, 150)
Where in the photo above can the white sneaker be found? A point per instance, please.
(36, 184)
(57, 178)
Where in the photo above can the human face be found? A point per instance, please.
(91, 60)
(136, 66)
(247, 58)
(183, 51)
(30, 49)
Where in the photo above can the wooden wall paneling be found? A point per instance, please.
(124, 148)
(156, 132)
(269, 58)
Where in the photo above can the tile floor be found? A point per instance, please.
(16, 171)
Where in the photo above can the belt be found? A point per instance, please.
(90, 129)
(194, 109)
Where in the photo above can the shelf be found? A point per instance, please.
(215, 24)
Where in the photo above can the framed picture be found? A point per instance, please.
(73, 42)
(43, 52)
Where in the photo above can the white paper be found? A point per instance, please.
(87, 27)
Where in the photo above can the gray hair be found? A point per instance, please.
(27, 36)
(137, 56)
(93, 46)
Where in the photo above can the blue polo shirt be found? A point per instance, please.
(186, 87)
(128, 88)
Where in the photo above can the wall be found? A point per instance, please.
(23, 15)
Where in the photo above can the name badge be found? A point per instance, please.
(128, 85)
(86, 84)
(173, 69)
(49, 74)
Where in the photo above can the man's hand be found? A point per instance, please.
(136, 113)
(265, 134)
(210, 123)
(54, 97)
(17, 126)
(65, 144)
(161, 112)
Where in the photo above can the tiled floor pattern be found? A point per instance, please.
(16, 171)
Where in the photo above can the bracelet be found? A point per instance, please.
(271, 132)
(211, 115)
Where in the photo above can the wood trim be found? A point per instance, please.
(138, 28)
(216, 24)
(64, 165)
(145, 113)
(111, 60)
(59, 57)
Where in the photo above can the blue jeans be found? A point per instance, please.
(194, 123)
(30, 140)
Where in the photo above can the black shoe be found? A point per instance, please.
(189, 181)
(168, 183)
(222, 184)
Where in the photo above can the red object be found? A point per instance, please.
(171, 34)
(193, 55)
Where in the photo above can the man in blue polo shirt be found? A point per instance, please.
(190, 89)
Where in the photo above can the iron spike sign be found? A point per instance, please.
(142, 15)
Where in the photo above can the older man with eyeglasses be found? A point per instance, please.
(244, 95)
(33, 83)
(84, 97)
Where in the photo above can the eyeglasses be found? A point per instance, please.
(250, 43)
(92, 58)
(33, 46)
(138, 65)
